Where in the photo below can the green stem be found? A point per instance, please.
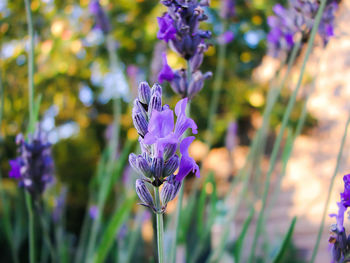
(47, 239)
(31, 228)
(219, 75)
(283, 126)
(246, 171)
(160, 227)
(177, 223)
(30, 65)
(340, 153)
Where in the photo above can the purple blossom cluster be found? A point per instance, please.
(339, 241)
(160, 138)
(33, 167)
(101, 18)
(298, 18)
(228, 9)
(179, 27)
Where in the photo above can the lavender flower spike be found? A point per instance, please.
(101, 19)
(159, 141)
(339, 241)
(33, 167)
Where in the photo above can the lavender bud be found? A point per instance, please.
(156, 88)
(139, 108)
(171, 165)
(169, 150)
(197, 83)
(167, 193)
(179, 83)
(155, 103)
(144, 194)
(197, 59)
(157, 167)
(143, 166)
(140, 124)
(133, 162)
(145, 148)
(144, 93)
(336, 253)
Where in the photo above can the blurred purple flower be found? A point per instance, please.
(187, 164)
(33, 168)
(167, 31)
(228, 9)
(93, 212)
(166, 73)
(231, 136)
(60, 203)
(101, 19)
(15, 171)
(226, 38)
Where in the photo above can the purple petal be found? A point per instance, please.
(187, 164)
(15, 171)
(183, 122)
(167, 31)
(161, 123)
(166, 73)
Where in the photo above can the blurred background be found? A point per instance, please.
(73, 77)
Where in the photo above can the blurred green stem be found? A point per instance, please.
(246, 171)
(45, 228)
(320, 230)
(30, 65)
(30, 227)
(219, 75)
(281, 132)
(160, 228)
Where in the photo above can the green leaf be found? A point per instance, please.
(286, 242)
(110, 232)
(240, 240)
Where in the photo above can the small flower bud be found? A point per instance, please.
(169, 150)
(156, 88)
(166, 194)
(133, 163)
(197, 83)
(144, 93)
(144, 194)
(157, 167)
(140, 123)
(155, 103)
(179, 83)
(143, 166)
(171, 165)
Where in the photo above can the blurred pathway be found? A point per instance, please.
(305, 186)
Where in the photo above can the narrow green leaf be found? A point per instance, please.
(110, 232)
(286, 241)
(237, 251)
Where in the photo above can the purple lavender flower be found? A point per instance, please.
(228, 9)
(33, 168)
(326, 27)
(226, 38)
(93, 212)
(179, 27)
(231, 136)
(167, 30)
(160, 137)
(339, 241)
(166, 73)
(101, 19)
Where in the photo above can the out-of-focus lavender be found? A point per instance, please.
(93, 212)
(59, 206)
(160, 138)
(228, 9)
(298, 18)
(226, 38)
(339, 241)
(101, 19)
(34, 166)
(179, 27)
(231, 136)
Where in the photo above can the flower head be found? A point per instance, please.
(101, 19)
(33, 168)
(161, 136)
